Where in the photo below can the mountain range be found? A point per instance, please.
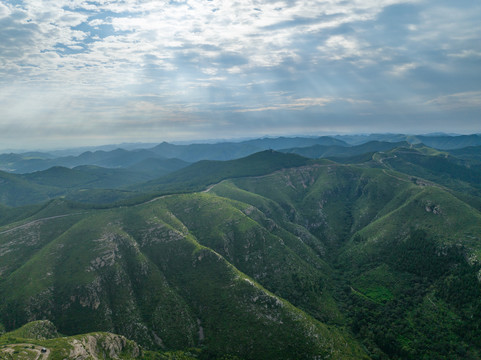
(320, 248)
(133, 154)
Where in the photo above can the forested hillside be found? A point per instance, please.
(269, 256)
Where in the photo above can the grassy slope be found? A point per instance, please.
(336, 151)
(434, 166)
(95, 185)
(37, 188)
(367, 220)
(27, 341)
(282, 230)
(196, 176)
(83, 177)
(15, 191)
(142, 272)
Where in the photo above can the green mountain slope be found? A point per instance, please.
(97, 185)
(451, 142)
(115, 159)
(40, 340)
(15, 191)
(87, 184)
(144, 273)
(438, 167)
(197, 176)
(402, 251)
(336, 151)
(86, 177)
(278, 257)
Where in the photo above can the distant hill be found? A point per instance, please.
(442, 142)
(206, 172)
(156, 167)
(339, 146)
(94, 184)
(234, 150)
(441, 168)
(87, 183)
(450, 142)
(359, 139)
(118, 158)
(469, 153)
(80, 150)
(16, 191)
(335, 151)
(121, 158)
(86, 177)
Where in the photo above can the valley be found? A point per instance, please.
(373, 254)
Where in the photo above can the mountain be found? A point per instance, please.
(437, 141)
(79, 150)
(144, 273)
(468, 153)
(313, 147)
(86, 177)
(231, 150)
(85, 183)
(15, 191)
(335, 151)
(94, 185)
(39, 339)
(447, 142)
(155, 167)
(97, 185)
(169, 156)
(207, 172)
(401, 250)
(359, 139)
(273, 255)
(118, 158)
(439, 167)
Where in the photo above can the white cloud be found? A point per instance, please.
(463, 100)
(76, 59)
(402, 69)
(4, 10)
(295, 104)
(159, 27)
(471, 53)
(304, 103)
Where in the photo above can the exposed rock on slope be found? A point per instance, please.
(103, 346)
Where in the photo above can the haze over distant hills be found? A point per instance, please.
(102, 176)
(282, 248)
(120, 157)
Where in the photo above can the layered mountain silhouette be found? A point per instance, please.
(371, 251)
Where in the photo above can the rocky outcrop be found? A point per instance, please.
(103, 346)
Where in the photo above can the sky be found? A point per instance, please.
(75, 72)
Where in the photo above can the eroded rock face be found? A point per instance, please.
(103, 346)
(42, 330)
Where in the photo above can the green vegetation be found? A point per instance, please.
(38, 330)
(197, 176)
(278, 257)
(338, 151)
(40, 340)
(142, 272)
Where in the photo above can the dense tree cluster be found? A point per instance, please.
(435, 315)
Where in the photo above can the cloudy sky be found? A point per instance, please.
(76, 72)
